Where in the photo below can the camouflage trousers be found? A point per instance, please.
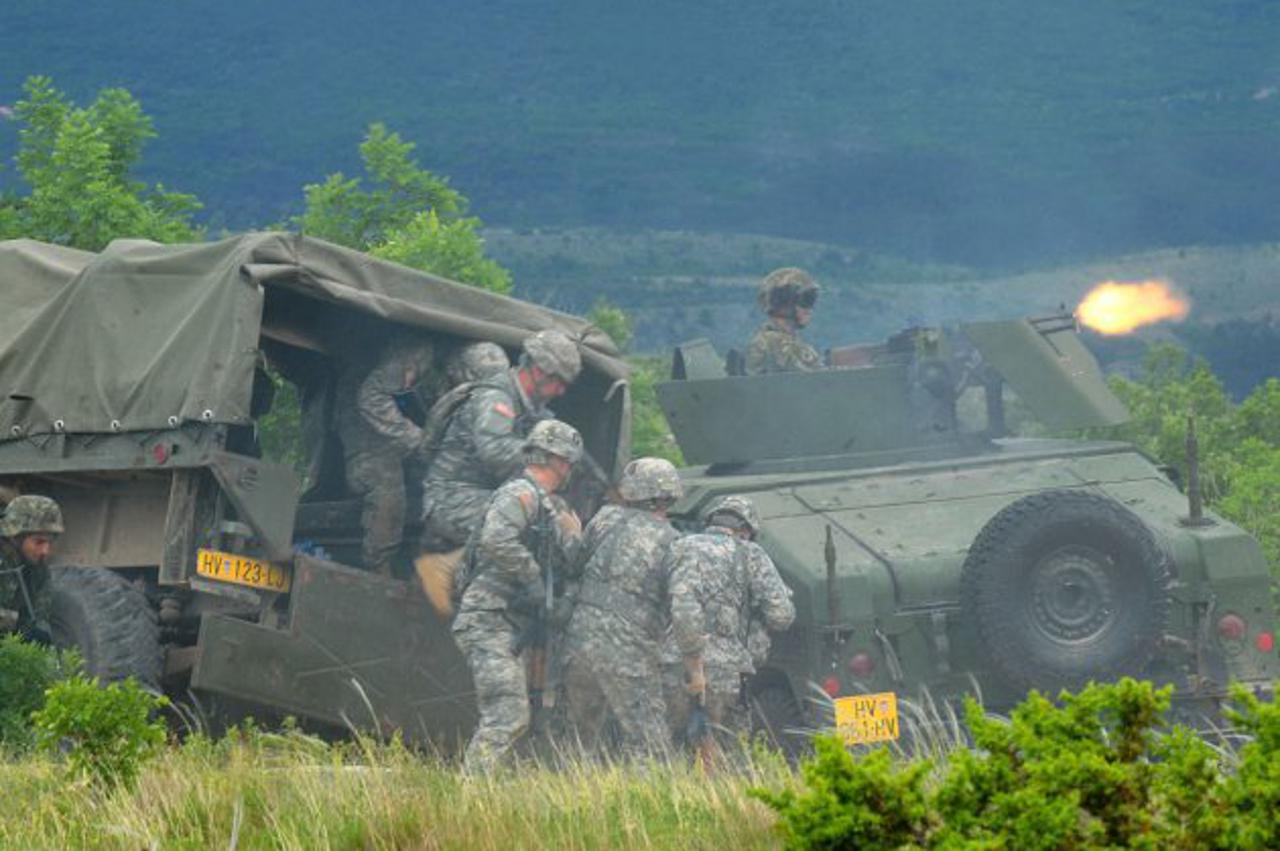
(502, 692)
(450, 513)
(378, 479)
(608, 680)
(723, 702)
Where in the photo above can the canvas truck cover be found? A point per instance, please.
(126, 339)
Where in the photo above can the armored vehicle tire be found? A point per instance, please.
(776, 713)
(1066, 586)
(109, 620)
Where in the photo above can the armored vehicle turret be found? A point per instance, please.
(929, 551)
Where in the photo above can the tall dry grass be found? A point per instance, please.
(291, 791)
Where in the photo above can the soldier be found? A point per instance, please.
(613, 642)
(476, 362)
(378, 437)
(28, 530)
(787, 295)
(481, 439)
(720, 581)
(507, 583)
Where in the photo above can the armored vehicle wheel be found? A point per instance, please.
(776, 713)
(109, 620)
(1066, 586)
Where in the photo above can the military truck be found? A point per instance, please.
(932, 554)
(132, 386)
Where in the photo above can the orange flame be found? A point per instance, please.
(1119, 307)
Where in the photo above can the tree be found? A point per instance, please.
(451, 249)
(409, 215)
(79, 165)
(1239, 444)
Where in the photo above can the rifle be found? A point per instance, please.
(537, 635)
(698, 733)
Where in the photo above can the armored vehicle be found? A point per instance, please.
(929, 552)
(132, 386)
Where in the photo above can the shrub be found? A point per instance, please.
(1095, 769)
(26, 670)
(107, 731)
(867, 802)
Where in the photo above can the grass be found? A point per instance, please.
(290, 790)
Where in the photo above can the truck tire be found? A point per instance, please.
(110, 621)
(1064, 587)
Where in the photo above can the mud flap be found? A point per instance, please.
(358, 649)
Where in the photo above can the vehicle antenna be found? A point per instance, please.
(833, 598)
(1195, 500)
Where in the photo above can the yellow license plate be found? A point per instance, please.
(865, 718)
(242, 570)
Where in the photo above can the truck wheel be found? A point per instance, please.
(109, 620)
(1066, 586)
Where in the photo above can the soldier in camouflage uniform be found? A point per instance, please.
(28, 530)
(481, 439)
(787, 295)
(721, 581)
(509, 558)
(377, 440)
(613, 642)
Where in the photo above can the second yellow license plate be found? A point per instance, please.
(242, 570)
(865, 718)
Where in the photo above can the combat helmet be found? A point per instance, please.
(557, 438)
(411, 351)
(555, 354)
(649, 480)
(785, 289)
(736, 506)
(475, 362)
(31, 515)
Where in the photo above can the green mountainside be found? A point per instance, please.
(998, 133)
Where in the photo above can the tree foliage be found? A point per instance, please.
(78, 163)
(401, 212)
(449, 248)
(1239, 444)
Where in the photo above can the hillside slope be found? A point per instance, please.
(996, 133)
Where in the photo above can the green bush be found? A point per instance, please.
(1097, 769)
(868, 802)
(106, 731)
(26, 670)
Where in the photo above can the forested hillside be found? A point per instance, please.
(999, 134)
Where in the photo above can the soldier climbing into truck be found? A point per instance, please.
(378, 438)
(192, 558)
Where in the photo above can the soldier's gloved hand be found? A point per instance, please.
(695, 677)
(570, 523)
